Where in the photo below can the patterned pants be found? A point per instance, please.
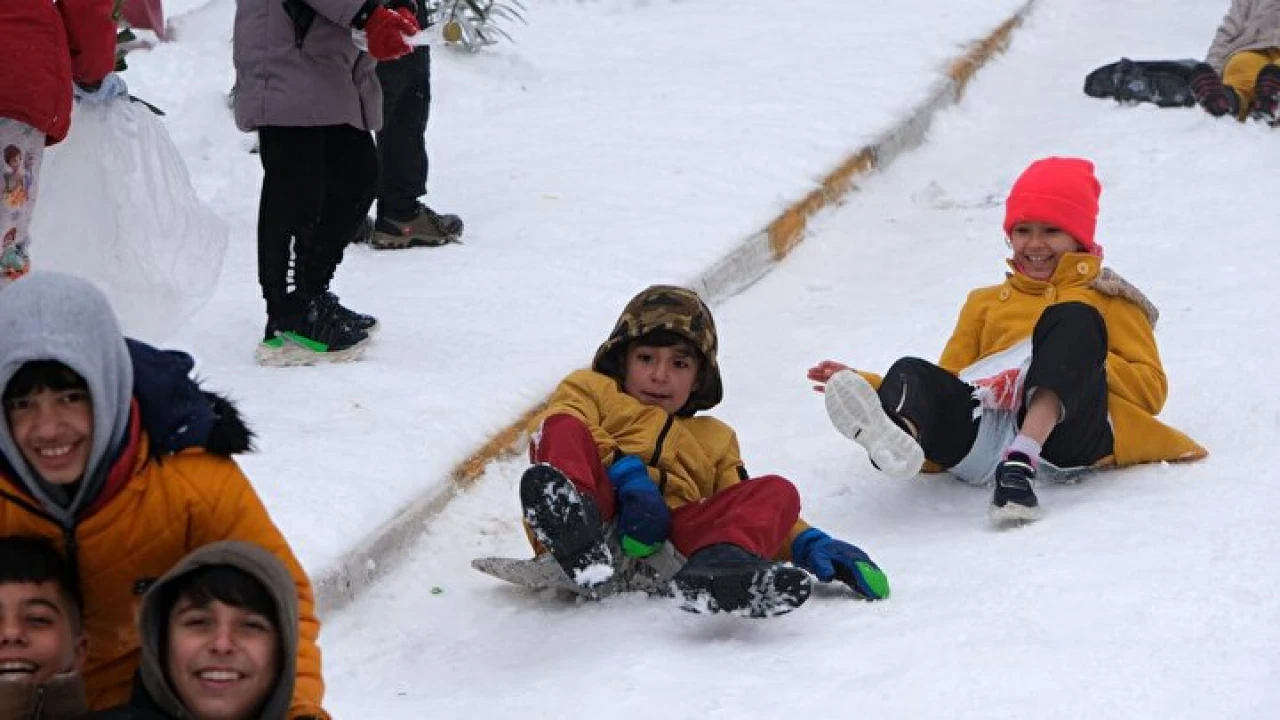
(21, 149)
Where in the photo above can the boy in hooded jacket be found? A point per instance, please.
(42, 640)
(109, 448)
(1056, 368)
(620, 446)
(227, 610)
(1241, 72)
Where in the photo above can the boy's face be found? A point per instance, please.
(1037, 247)
(662, 376)
(54, 431)
(222, 659)
(38, 638)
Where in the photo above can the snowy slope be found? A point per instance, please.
(615, 144)
(1145, 593)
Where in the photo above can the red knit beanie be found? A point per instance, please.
(1057, 191)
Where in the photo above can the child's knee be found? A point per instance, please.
(780, 493)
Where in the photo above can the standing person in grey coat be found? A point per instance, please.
(312, 96)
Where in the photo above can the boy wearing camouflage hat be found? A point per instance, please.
(620, 445)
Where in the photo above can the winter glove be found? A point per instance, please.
(831, 559)
(388, 33)
(643, 516)
(112, 86)
(1002, 391)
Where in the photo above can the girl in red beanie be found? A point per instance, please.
(1051, 372)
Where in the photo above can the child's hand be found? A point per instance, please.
(823, 371)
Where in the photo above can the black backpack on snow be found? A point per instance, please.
(1163, 82)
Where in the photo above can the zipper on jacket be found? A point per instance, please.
(37, 705)
(73, 559)
(662, 436)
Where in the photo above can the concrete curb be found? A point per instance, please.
(751, 260)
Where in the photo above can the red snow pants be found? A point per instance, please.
(756, 514)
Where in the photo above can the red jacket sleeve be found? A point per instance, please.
(91, 36)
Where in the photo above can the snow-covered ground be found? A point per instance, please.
(1145, 593)
(615, 144)
(625, 142)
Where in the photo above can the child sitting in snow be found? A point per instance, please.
(1055, 367)
(1241, 74)
(621, 442)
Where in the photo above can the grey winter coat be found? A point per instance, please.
(1248, 25)
(306, 73)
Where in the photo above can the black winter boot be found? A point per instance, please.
(567, 523)
(360, 321)
(1207, 88)
(1266, 98)
(726, 578)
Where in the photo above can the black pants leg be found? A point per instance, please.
(351, 171)
(1069, 355)
(293, 189)
(402, 146)
(939, 406)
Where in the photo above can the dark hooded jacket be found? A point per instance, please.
(153, 697)
(690, 457)
(61, 698)
(159, 484)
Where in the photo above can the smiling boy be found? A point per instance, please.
(622, 443)
(219, 634)
(42, 643)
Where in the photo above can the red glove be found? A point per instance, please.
(389, 31)
(1002, 391)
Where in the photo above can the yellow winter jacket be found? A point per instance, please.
(690, 458)
(995, 318)
(153, 513)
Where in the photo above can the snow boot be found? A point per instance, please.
(360, 321)
(1013, 499)
(726, 578)
(1266, 99)
(316, 334)
(855, 410)
(1207, 88)
(567, 523)
(425, 229)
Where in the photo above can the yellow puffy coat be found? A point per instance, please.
(152, 513)
(690, 458)
(995, 318)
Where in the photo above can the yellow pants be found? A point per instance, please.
(1241, 72)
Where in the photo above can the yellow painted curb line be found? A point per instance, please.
(751, 260)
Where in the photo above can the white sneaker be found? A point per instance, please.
(855, 410)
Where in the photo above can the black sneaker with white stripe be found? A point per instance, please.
(1014, 500)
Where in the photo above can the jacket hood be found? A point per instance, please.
(674, 309)
(51, 316)
(266, 569)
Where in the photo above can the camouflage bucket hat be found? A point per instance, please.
(674, 309)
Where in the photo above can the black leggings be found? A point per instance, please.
(317, 186)
(1068, 356)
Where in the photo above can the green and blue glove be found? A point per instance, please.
(643, 516)
(830, 559)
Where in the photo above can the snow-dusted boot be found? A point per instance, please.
(1013, 499)
(855, 410)
(567, 523)
(726, 578)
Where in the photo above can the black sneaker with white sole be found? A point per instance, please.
(1013, 499)
(726, 578)
(567, 523)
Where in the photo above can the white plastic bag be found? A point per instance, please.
(115, 206)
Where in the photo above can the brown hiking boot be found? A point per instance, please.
(426, 229)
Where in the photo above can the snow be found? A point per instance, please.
(621, 143)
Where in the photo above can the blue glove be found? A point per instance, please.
(643, 516)
(112, 86)
(831, 559)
